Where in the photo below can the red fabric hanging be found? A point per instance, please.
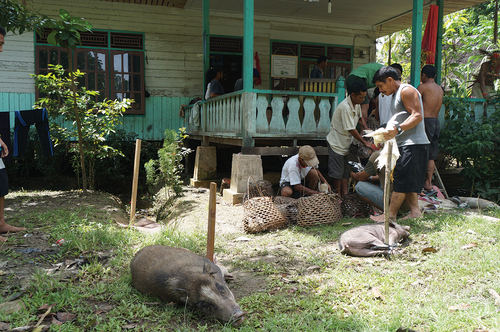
(430, 35)
(256, 64)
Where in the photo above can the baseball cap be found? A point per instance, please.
(256, 73)
(308, 154)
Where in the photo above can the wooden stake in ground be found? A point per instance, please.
(387, 189)
(211, 221)
(135, 180)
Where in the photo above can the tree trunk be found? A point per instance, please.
(78, 123)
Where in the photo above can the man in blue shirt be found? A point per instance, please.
(318, 69)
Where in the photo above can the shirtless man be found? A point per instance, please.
(432, 99)
(4, 181)
(413, 145)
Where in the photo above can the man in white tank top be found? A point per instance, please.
(409, 130)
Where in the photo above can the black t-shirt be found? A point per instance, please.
(216, 87)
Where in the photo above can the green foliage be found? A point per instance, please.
(165, 171)
(66, 30)
(474, 143)
(98, 119)
(15, 17)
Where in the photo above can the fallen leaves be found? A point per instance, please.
(495, 295)
(461, 306)
(468, 246)
(377, 294)
(429, 250)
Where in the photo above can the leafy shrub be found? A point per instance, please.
(164, 173)
(474, 143)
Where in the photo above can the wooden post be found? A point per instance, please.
(135, 180)
(387, 189)
(211, 221)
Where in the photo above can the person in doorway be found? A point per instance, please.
(209, 76)
(4, 180)
(409, 131)
(239, 82)
(319, 68)
(345, 119)
(300, 168)
(215, 89)
(432, 99)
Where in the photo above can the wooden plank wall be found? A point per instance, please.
(162, 113)
(173, 51)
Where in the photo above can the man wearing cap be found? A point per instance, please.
(342, 129)
(318, 69)
(297, 168)
(239, 82)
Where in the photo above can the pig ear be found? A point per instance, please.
(208, 267)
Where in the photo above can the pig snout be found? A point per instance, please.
(238, 317)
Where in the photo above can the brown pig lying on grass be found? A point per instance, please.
(368, 240)
(179, 275)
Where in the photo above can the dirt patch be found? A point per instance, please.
(35, 248)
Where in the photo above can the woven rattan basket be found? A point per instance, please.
(261, 214)
(288, 207)
(262, 188)
(319, 209)
(353, 206)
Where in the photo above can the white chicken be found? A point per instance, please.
(378, 138)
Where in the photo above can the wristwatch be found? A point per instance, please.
(399, 129)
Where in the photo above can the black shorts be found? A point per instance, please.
(432, 128)
(411, 168)
(4, 182)
(295, 194)
(338, 166)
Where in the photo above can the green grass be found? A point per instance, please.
(417, 288)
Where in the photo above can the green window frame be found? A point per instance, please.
(112, 61)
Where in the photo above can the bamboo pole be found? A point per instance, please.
(387, 189)
(135, 180)
(211, 221)
(495, 25)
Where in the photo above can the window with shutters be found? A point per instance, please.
(112, 61)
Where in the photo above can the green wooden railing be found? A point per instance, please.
(264, 114)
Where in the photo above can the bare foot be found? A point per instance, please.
(2, 239)
(379, 218)
(412, 215)
(6, 228)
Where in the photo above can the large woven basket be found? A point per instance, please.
(262, 188)
(319, 209)
(354, 207)
(288, 207)
(261, 214)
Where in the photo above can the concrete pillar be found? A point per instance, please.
(205, 166)
(243, 166)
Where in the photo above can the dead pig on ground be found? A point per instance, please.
(368, 240)
(179, 275)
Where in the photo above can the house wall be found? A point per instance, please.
(173, 52)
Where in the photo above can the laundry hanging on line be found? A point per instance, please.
(23, 121)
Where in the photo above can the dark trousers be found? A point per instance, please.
(23, 121)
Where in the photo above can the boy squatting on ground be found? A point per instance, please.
(301, 166)
(410, 170)
(4, 180)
